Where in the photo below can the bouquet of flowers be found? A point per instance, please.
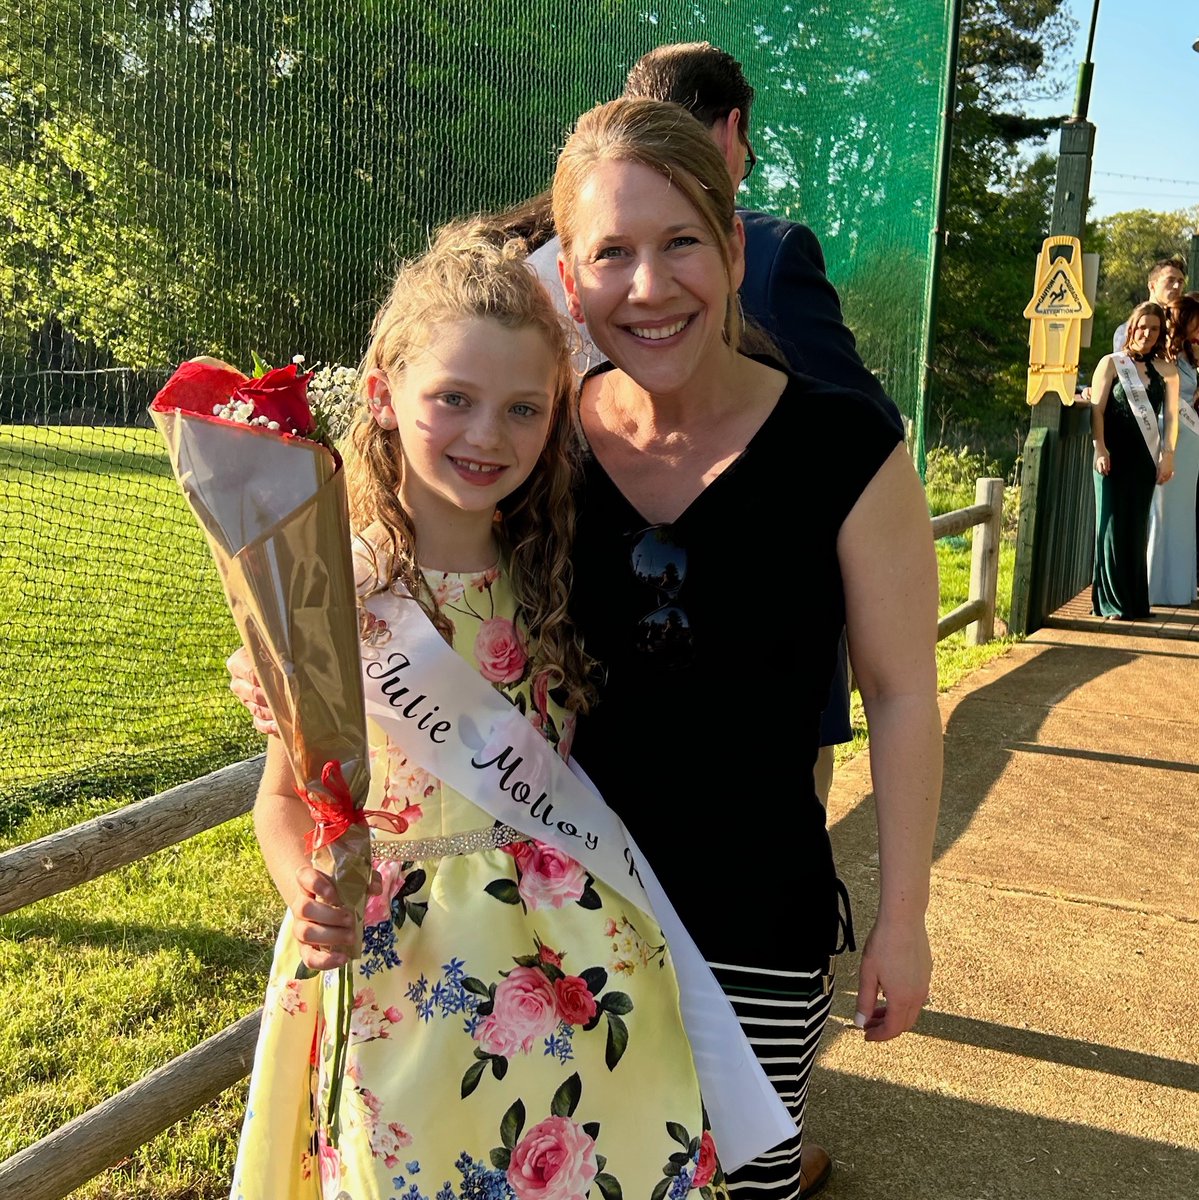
(260, 472)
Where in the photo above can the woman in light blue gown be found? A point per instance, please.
(1173, 516)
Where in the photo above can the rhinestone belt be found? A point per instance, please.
(420, 849)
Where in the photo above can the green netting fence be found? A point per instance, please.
(224, 177)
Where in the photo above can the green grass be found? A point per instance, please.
(949, 484)
(102, 984)
(115, 629)
(112, 687)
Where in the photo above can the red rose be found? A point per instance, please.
(706, 1167)
(280, 395)
(576, 1004)
(199, 386)
(546, 955)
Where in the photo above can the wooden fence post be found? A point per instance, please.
(987, 511)
(984, 560)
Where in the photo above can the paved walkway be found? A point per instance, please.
(1058, 1058)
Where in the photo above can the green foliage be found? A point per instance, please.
(220, 177)
(846, 119)
(982, 339)
(998, 211)
(228, 176)
(1128, 244)
(952, 474)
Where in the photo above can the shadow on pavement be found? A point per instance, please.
(907, 1144)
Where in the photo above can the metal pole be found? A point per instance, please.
(1082, 93)
(939, 234)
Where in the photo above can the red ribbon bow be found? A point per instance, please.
(334, 810)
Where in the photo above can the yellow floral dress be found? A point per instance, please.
(515, 1030)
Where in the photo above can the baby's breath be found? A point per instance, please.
(333, 397)
(242, 412)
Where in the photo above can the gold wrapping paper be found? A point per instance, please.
(275, 516)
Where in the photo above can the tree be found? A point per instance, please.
(1128, 244)
(221, 176)
(997, 216)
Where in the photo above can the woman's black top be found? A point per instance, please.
(709, 760)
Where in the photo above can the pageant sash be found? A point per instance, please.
(454, 725)
(1138, 401)
(1188, 419)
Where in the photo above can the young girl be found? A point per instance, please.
(515, 1023)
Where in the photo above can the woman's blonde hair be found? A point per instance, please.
(472, 269)
(669, 140)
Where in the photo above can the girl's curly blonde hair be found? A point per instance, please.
(472, 269)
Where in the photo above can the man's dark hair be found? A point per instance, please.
(697, 75)
(1164, 264)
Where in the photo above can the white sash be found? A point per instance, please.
(454, 725)
(1138, 401)
(1188, 419)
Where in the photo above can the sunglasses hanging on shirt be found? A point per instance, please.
(660, 562)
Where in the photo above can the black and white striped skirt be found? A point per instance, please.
(783, 1014)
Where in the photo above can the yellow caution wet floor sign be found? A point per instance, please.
(1056, 311)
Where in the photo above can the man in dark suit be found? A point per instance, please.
(786, 289)
(786, 292)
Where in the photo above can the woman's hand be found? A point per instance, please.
(244, 685)
(1103, 464)
(896, 966)
(1165, 467)
(323, 929)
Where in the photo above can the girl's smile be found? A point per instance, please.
(472, 412)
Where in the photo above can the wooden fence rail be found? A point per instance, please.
(102, 1136)
(99, 1138)
(57, 1164)
(63, 860)
(977, 615)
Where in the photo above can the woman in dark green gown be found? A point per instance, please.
(1125, 470)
